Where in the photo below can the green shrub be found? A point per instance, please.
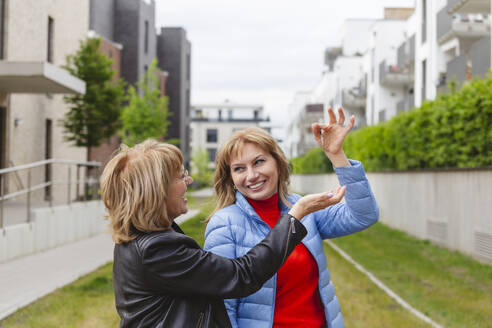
(201, 173)
(455, 130)
(314, 161)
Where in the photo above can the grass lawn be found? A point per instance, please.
(452, 289)
(88, 302)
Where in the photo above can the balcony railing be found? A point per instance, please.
(406, 53)
(79, 174)
(456, 69)
(354, 99)
(462, 26)
(229, 120)
(394, 75)
(480, 57)
(400, 106)
(468, 6)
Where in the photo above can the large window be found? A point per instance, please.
(146, 37)
(211, 135)
(51, 27)
(211, 153)
(424, 21)
(382, 115)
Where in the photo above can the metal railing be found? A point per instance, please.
(90, 183)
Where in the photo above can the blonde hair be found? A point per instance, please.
(134, 186)
(223, 184)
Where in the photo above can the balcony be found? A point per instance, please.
(354, 99)
(480, 57)
(456, 70)
(394, 75)
(406, 53)
(467, 28)
(405, 104)
(37, 77)
(469, 6)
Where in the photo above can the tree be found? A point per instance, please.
(146, 115)
(94, 116)
(202, 174)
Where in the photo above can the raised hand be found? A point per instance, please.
(330, 136)
(315, 202)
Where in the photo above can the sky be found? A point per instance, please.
(261, 52)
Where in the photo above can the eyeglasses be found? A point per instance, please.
(184, 176)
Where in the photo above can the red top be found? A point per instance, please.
(297, 300)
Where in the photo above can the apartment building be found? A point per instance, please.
(174, 57)
(35, 38)
(213, 124)
(387, 82)
(129, 38)
(463, 36)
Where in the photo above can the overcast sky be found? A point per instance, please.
(261, 52)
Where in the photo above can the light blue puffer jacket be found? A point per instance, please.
(234, 230)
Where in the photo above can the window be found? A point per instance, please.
(2, 28)
(424, 21)
(211, 135)
(382, 115)
(48, 153)
(424, 73)
(49, 55)
(188, 67)
(146, 37)
(211, 153)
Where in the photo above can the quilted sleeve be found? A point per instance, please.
(219, 240)
(358, 212)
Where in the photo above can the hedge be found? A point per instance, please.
(454, 130)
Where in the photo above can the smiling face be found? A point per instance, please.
(255, 172)
(176, 201)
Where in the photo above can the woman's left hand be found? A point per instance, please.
(330, 137)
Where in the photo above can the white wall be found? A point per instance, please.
(51, 227)
(353, 36)
(451, 208)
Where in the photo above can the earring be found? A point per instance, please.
(234, 187)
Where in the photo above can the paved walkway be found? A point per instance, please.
(28, 278)
(205, 192)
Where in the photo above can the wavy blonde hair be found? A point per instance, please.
(134, 188)
(223, 184)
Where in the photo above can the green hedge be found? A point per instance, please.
(314, 161)
(455, 130)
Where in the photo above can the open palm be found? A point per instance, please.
(330, 137)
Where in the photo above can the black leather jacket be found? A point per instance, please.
(165, 279)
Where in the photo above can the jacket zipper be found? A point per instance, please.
(292, 230)
(200, 320)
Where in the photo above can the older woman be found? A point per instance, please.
(251, 182)
(162, 278)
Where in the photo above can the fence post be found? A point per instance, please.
(29, 195)
(77, 181)
(52, 185)
(85, 185)
(69, 200)
(1, 202)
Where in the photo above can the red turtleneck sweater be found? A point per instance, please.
(297, 300)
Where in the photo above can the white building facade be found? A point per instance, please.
(212, 124)
(36, 36)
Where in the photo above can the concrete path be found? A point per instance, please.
(205, 192)
(26, 279)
